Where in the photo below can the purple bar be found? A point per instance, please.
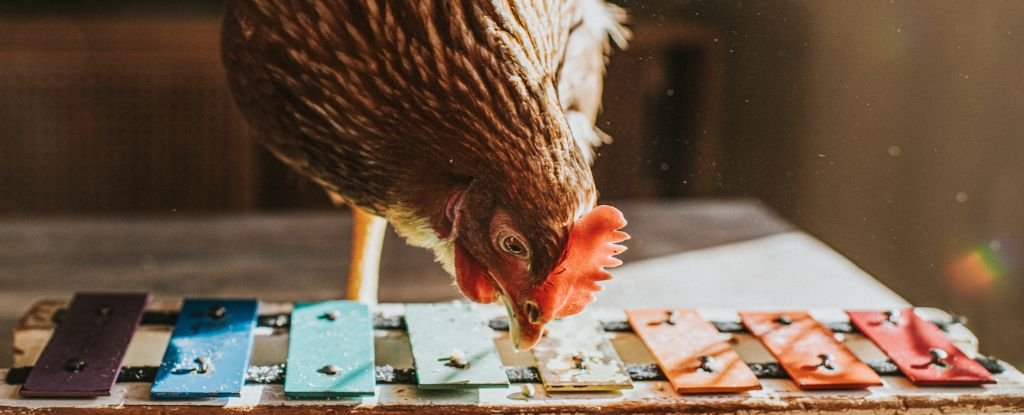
(83, 358)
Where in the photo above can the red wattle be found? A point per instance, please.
(472, 280)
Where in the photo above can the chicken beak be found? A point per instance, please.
(524, 326)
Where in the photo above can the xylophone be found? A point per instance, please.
(121, 353)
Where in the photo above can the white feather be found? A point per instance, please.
(581, 78)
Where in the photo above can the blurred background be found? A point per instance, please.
(890, 130)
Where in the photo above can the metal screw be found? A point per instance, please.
(826, 361)
(74, 365)
(217, 312)
(784, 320)
(579, 361)
(672, 317)
(938, 356)
(103, 311)
(203, 364)
(892, 317)
(330, 370)
(706, 364)
(332, 315)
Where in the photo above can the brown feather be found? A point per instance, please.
(392, 104)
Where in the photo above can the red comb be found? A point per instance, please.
(592, 247)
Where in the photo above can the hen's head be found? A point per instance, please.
(541, 264)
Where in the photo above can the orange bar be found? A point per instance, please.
(690, 352)
(808, 351)
(919, 348)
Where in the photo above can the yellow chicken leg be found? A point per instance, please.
(364, 263)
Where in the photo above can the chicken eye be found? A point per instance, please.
(512, 245)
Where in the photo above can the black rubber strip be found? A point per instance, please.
(386, 374)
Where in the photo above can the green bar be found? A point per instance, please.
(436, 331)
(330, 351)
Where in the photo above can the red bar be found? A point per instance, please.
(919, 348)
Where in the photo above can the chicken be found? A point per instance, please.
(467, 125)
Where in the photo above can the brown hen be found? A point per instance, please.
(468, 125)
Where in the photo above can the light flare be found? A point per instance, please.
(977, 271)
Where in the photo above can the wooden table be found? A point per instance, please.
(712, 254)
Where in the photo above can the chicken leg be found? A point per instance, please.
(364, 262)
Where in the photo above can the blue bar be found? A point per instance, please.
(209, 350)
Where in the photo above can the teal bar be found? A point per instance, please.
(330, 351)
(437, 331)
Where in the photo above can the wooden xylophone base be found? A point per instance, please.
(777, 396)
(896, 395)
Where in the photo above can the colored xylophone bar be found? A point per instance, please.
(330, 350)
